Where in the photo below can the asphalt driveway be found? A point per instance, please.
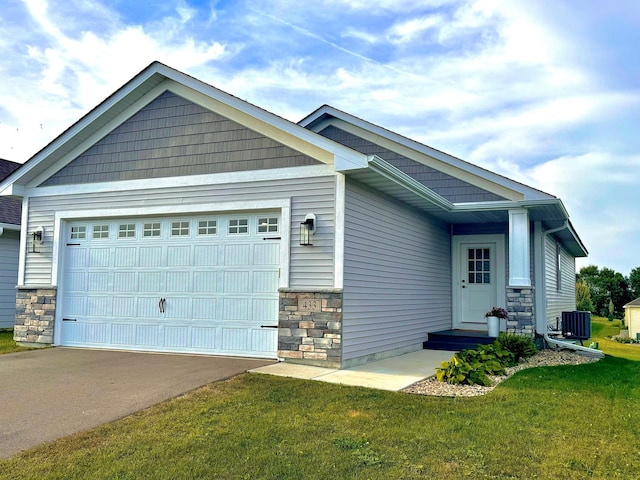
(48, 394)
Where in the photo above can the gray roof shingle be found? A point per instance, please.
(10, 208)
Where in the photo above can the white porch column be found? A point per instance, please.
(519, 266)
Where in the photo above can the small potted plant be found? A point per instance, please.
(493, 320)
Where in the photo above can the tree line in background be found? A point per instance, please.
(605, 292)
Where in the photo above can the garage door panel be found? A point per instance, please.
(204, 308)
(76, 257)
(235, 255)
(266, 253)
(205, 255)
(76, 282)
(236, 282)
(204, 338)
(98, 306)
(99, 257)
(125, 281)
(75, 305)
(123, 306)
(98, 281)
(147, 335)
(179, 256)
(126, 257)
(178, 281)
(176, 336)
(151, 282)
(219, 283)
(205, 282)
(151, 256)
(122, 334)
(264, 309)
(235, 309)
(264, 282)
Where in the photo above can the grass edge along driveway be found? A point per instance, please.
(552, 422)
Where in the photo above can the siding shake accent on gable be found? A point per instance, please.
(397, 274)
(174, 137)
(451, 188)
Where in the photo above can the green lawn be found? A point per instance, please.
(601, 328)
(570, 422)
(7, 345)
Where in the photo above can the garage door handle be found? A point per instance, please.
(69, 320)
(268, 326)
(161, 304)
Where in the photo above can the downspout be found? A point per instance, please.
(591, 352)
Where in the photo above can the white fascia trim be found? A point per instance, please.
(338, 260)
(11, 190)
(417, 146)
(10, 226)
(186, 181)
(378, 165)
(284, 205)
(22, 257)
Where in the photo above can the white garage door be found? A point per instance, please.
(205, 284)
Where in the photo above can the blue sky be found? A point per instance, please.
(544, 92)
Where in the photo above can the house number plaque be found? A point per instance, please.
(310, 304)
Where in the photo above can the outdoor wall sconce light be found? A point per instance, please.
(307, 229)
(38, 235)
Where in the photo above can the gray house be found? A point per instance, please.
(10, 215)
(175, 217)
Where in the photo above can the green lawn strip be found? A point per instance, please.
(7, 345)
(601, 328)
(554, 422)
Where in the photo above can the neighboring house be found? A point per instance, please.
(175, 217)
(10, 214)
(632, 318)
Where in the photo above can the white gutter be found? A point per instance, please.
(590, 352)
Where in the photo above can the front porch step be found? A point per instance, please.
(456, 340)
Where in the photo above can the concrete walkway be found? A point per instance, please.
(393, 373)
(52, 393)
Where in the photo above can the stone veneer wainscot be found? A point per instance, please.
(520, 305)
(310, 326)
(35, 315)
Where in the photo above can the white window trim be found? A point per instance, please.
(284, 205)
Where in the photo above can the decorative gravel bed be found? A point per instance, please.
(431, 386)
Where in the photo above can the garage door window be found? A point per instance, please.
(207, 227)
(268, 225)
(238, 226)
(100, 231)
(78, 233)
(151, 230)
(127, 230)
(179, 229)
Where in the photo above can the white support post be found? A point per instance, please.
(519, 263)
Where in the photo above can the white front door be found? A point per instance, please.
(478, 279)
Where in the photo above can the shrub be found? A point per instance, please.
(473, 366)
(519, 345)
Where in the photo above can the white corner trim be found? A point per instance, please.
(187, 181)
(519, 250)
(284, 205)
(338, 260)
(22, 258)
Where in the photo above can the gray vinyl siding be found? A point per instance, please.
(451, 188)
(9, 252)
(563, 299)
(397, 274)
(310, 266)
(174, 137)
